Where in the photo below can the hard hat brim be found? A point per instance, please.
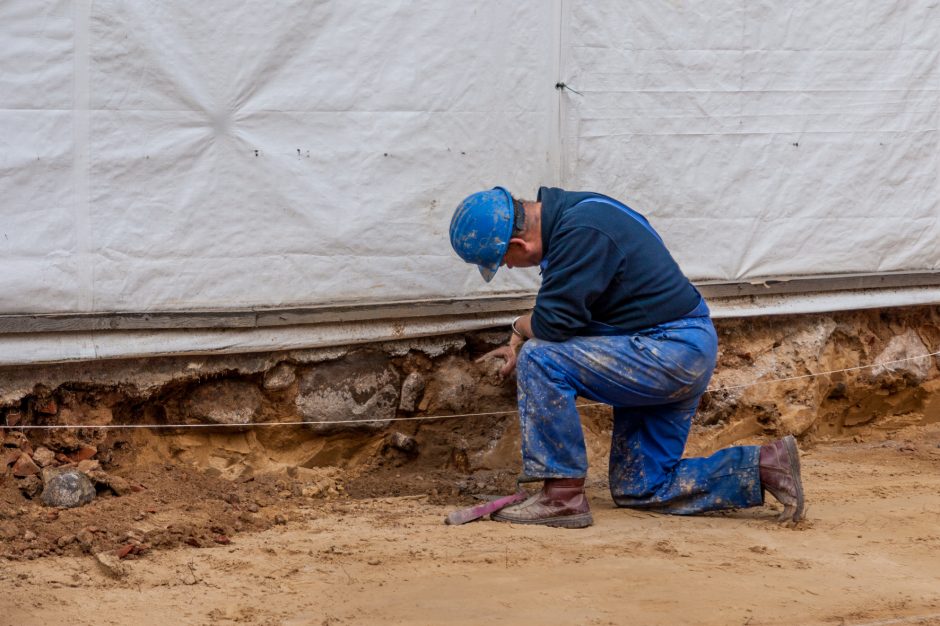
(487, 272)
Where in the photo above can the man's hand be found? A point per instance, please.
(508, 352)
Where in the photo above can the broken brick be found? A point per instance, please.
(123, 552)
(47, 407)
(83, 453)
(24, 466)
(222, 539)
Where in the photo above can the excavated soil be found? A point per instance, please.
(335, 547)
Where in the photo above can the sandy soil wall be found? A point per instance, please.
(345, 401)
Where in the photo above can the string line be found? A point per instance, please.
(418, 418)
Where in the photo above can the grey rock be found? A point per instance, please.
(403, 442)
(901, 347)
(411, 391)
(280, 377)
(454, 388)
(68, 489)
(224, 402)
(362, 387)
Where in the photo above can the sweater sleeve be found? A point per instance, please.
(582, 263)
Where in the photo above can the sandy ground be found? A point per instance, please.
(868, 554)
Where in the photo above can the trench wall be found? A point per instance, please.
(342, 401)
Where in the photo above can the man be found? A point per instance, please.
(617, 322)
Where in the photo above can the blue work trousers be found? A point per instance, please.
(654, 380)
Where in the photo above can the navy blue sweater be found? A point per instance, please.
(599, 264)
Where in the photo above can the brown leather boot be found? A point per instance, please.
(561, 503)
(780, 475)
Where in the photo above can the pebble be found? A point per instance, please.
(280, 519)
(252, 507)
(29, 535)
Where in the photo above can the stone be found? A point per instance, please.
(31, 486)
(362, 387)
(111, 565)
(453, 388)
(120, 486)
(43, 456)
(68, 489)
(279, 377)
(24, 466)
(904, 346)
(29, 536)
(224, 402)
(411, 391)
(403, 442)
(88, 465)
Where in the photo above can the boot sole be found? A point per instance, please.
(794, 455)
(582, 520)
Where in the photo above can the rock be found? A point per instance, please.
(411, 391)
(452, 388)
(403, 442)
(111, 565)
(31, 486)
(224, 402)
(65, 540)
(362, 387)
(280, 519)
(120, 486)
(68, 489)
(29, 536)
(903, 347)
(15, 439)
(279, 377)
(88, 465)
(43, 456)
(24, 466)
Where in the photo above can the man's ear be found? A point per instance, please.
(521, 243)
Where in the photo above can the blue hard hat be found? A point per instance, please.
(481, 228)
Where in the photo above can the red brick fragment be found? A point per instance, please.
(222, 539)
(123, 552)
(47, 407)
(24, 466)
(83, 453)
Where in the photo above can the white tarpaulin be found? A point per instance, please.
(184, 156)
(763, 138)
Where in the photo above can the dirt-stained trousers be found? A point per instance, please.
(653, 379)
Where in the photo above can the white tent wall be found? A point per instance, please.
(180, 165)
(763, 138)
(181, 156)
